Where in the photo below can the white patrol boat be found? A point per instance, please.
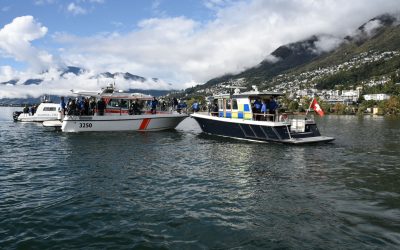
(234, 116)
(119, 112)
(46, 111)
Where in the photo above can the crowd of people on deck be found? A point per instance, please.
(89, 106)
(265, 109)
(29, 110)
(83, 106)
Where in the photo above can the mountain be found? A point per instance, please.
(126, 76)
(79, 71)
(70, 72)
(73, 70)
(289, 56)
(373, 39)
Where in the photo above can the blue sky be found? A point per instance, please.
(180, 42)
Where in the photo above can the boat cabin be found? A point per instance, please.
(116, 102)
(247, 105)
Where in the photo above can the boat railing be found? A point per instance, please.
(298, 121)
(264, 117)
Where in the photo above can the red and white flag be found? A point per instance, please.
(316, 107)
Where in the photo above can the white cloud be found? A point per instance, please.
(327, 43)
(43, 2)
(76, 9)
(371, 26)
(6, 73)
(16, 38)
(216, 4)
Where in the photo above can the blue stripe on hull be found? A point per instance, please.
(243, 131)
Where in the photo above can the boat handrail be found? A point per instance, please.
(264, 117)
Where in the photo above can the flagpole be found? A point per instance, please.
(309, 107)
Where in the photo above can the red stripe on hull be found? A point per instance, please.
(144, 123)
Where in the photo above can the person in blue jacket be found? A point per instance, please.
(195, 106)
(256, 109)
(154, 104)
(62, 104)
(273, 105)
(264, 107)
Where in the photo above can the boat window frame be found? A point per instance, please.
(228, 104)
(234, 103)
(49, 109)
(220, 104)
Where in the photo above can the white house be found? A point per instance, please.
(376, 97)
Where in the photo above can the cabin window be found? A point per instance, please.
(228, 104)
(49, 109)
(234, 104)
(113, 103)
(123, 104)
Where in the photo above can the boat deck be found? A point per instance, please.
(307, 140)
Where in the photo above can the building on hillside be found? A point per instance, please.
(376, 97)
(350, 95)
(346, 96)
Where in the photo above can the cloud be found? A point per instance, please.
(216, 4)
(76, 9)
(371, 26)
(327, 43)
(16, 38)
(43, 2)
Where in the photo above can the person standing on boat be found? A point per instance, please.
(33, 109)
(85, 102)
(62, 104)
(101, 105)
(195, 106)
(71, 107)
(154, 104)
(175, 103)
(264, 107)
(92, 105)
(26, 109)
(77, 106)
(257, 109)
(272, 107)
(215, 109)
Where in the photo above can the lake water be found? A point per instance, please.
(182, 189)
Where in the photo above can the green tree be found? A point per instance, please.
(293, 106)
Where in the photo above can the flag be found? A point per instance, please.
(316, 107)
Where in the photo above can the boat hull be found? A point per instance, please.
(121, 123)
(258, 131)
